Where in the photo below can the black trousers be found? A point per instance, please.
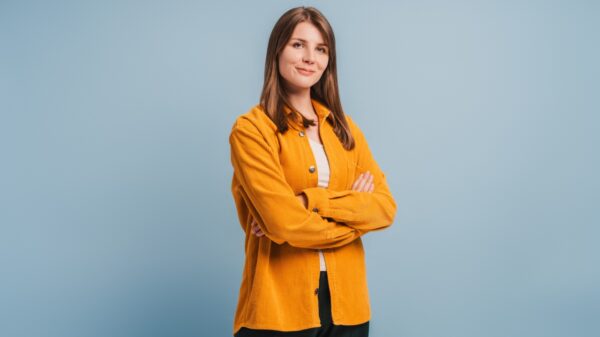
(327, 329)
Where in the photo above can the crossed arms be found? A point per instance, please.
(340, 216)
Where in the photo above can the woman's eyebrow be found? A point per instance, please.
(299, 39)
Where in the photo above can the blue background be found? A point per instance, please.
(116, 212)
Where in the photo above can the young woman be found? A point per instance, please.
(306, 188)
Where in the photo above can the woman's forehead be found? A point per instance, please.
(307, 32)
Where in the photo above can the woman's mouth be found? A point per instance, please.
(305, 72)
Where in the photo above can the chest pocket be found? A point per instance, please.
(295, 159)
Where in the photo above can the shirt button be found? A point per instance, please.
(311, 169)
(301, 133)
(317, 291)
(315, 209)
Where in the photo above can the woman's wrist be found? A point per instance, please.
(303, 200)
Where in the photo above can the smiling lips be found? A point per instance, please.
(305, 72)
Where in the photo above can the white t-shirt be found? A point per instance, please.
(323, 171)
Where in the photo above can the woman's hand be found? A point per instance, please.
(303, 200)
(255, 229)
(364, 183)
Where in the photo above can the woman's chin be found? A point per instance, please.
(299, 86)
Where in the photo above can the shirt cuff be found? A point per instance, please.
(317, 199)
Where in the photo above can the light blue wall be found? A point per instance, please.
(115, 209)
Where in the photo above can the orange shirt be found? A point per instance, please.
(281, 269)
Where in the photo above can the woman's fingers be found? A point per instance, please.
(370, 186)
(364, 183)
(258, 232)
(369, 183)
(255, 229)
(356, 182)
(360, 182)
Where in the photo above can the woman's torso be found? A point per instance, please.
(279, 281)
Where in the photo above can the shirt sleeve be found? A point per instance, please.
(271, 200)
(366, 211)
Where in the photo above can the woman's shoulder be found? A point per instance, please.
(255, 118)
(351, 124)
(349, 119)
(254, 124)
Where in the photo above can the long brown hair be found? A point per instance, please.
(273, 98)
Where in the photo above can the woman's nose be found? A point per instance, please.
(308, 57)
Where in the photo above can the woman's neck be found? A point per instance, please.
(302, 102)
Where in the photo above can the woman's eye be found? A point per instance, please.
(323, 50)
(296, 44)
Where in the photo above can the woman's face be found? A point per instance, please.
(304, 58)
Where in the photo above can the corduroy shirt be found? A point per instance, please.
(280, 279)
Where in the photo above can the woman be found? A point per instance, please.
(306, 187)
